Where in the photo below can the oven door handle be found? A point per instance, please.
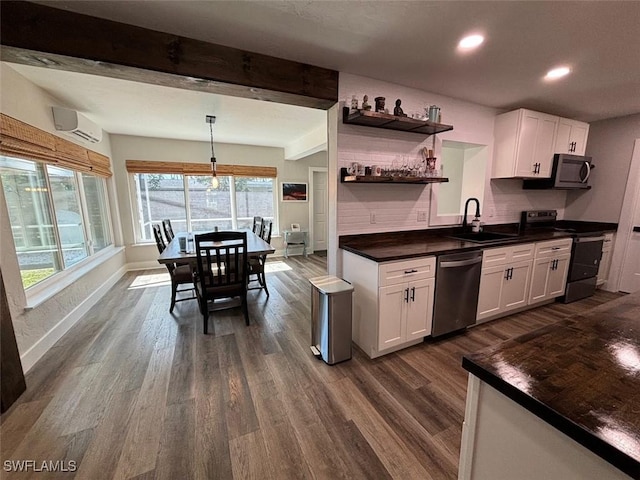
(584, 180)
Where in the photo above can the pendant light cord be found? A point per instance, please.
(213, 156)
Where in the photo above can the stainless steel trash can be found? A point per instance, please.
(331, 318)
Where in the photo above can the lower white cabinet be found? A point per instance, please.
(605, 261)
(504, 282)
(550, 270)
(392, 302)
(406, 312)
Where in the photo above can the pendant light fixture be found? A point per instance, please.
(214, 178)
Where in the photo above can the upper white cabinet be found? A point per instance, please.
(524, 141)
(571, 136)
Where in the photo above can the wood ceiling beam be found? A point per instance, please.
(42, 36)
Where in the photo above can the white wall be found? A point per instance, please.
(126, 147)
(36, 328)
(396, 206)
(610, 144)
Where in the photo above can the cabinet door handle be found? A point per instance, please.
(413, 270)
(510, 273)
(413, 294)
(506, 274)
(406, 295)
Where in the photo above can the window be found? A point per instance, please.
(50, 209)
(193, 205)
(254, 197)
(66, 204)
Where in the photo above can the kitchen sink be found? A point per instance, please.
(484, 237)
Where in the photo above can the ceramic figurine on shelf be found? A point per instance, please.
(380, 104)
(398, 110)
(365, 103)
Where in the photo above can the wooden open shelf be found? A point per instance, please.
(368, 118)
(346, 178)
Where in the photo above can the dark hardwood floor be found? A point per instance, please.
(133, 391)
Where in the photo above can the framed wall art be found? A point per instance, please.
(294, 192)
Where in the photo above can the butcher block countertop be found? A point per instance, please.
(383, 247)
(580, 375)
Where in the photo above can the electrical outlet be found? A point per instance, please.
(422, 215)
(492, 211)
(372, 217)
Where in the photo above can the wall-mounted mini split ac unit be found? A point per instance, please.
(76, 124)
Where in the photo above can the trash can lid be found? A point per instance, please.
(328, 284)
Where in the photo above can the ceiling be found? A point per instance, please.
(409, 43)
(141, 109)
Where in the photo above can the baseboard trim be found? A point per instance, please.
(33, 354)
(147, 265)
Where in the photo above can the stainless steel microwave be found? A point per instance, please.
(569, 172)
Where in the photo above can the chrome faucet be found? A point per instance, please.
(466, 206)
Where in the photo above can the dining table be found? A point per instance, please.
(256, 247)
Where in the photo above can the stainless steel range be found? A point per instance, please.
(586, 253)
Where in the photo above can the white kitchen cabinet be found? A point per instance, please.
(605, 261)
(571, 136)
(406, 312)
(504, 281)
(524, 141)
(392, 302)
(550, 270)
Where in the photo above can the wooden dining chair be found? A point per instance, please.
(257, 264)
(168, 231)
(180, 274)
(257, 226)
(222, 271)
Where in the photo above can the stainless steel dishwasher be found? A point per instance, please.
(457, 289)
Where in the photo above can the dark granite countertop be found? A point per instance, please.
(383, 247)
(581, 375)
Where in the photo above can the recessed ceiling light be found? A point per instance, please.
(470, 41)
(557, 73)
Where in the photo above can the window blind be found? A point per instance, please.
(26, 141)
(184, 168)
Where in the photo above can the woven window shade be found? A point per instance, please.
(183, 168)
(22, 140)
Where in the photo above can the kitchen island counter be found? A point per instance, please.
(581, 376)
